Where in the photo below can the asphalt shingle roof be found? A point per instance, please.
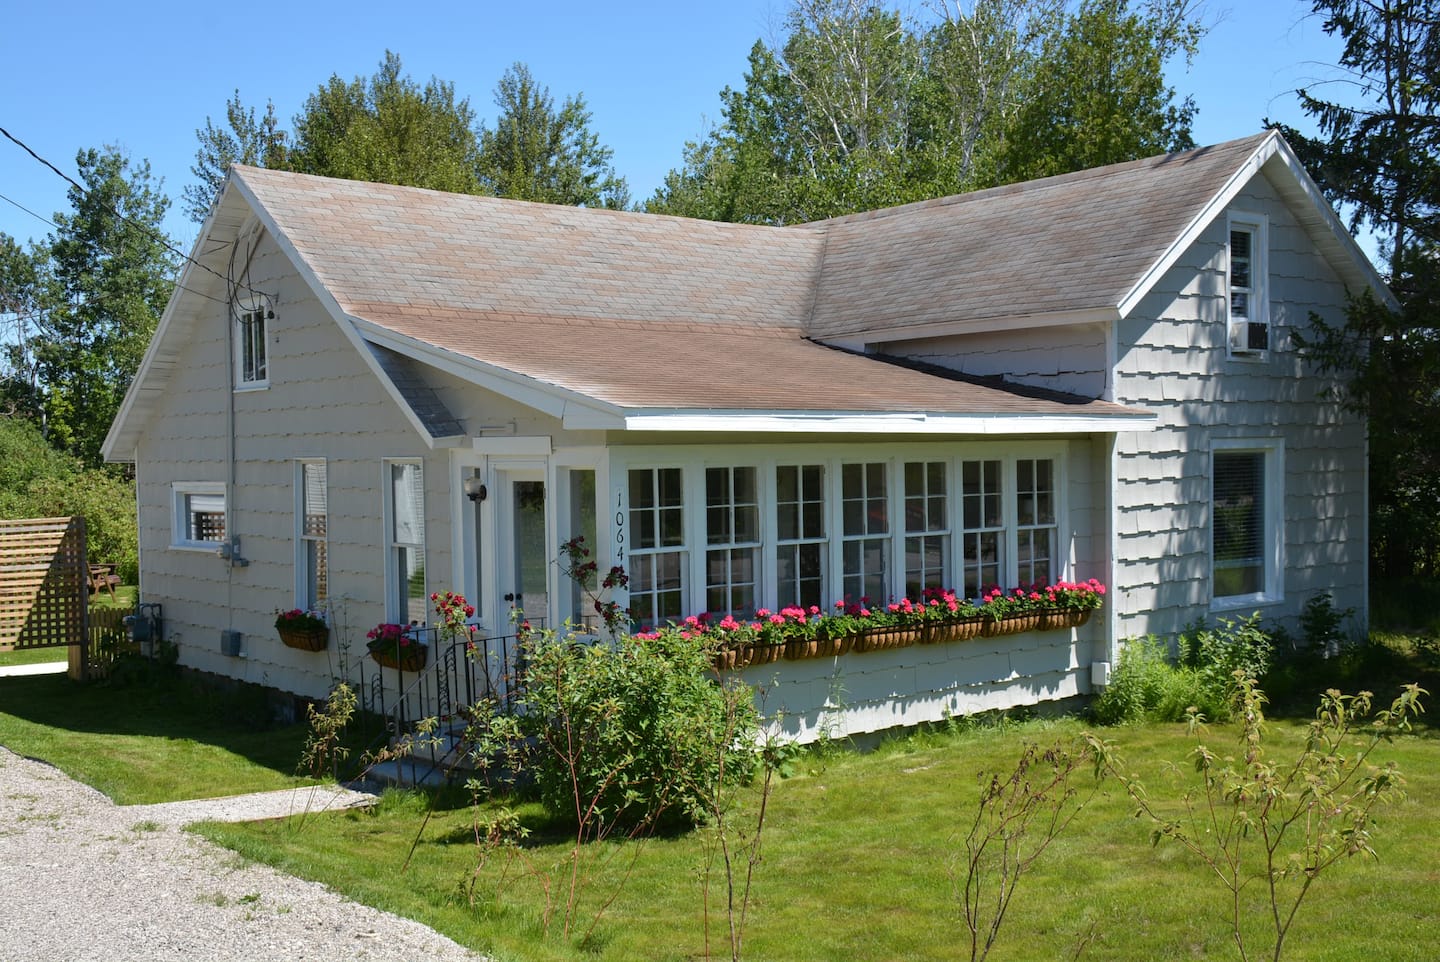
(653, 312)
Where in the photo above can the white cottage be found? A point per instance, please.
(362, 393)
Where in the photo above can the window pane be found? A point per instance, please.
(1239, 524)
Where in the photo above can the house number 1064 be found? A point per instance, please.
(619, 527)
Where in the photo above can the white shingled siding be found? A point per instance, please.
(1070, 358)
(1172, 359)
(323, 401)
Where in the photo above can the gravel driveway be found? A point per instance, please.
(84, 879)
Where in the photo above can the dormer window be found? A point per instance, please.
(1249, 306)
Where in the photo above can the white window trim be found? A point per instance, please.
(692, 460)
(1274, 590)
(242, 383)
(1259, 226)
(180, 519)
(302, 572)
(392, 572)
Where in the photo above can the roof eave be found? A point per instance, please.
(918, 423)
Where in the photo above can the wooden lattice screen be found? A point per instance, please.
(44, 583)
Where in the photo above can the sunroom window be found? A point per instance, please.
(657, 553)
(983, 526)
(927, 527)
(1035, 520)
(732, 540)
(801, 545)
(865, 531)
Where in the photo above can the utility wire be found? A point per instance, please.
(40, 217)
(155, 234)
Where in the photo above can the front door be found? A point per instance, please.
(523, 553)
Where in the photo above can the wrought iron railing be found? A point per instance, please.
(456, 674)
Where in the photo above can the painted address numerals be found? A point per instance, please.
(619, 527)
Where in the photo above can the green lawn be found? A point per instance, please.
(158, 739)
(857, 855)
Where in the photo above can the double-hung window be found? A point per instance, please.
(1035, 527)
(252, 367)
(982, 526)
(927, 528)
(732, 540)
(199, 514)
(657, 550)
(1248, 307)
(313, 570)
(405, 542)
(1246, 525)
(865, 531)
(800, 542)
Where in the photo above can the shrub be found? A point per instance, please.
(1140, 678)
(632, 732)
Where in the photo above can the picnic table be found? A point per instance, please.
(103, 578)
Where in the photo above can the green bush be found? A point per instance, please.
(635, 732)
(38, 482)
(1140, 677)
(1146, 685)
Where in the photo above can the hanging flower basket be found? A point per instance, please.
(409, 657)
(305, 639)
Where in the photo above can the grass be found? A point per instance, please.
(158, 739)
(857, 853)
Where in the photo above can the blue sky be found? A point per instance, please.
(101, 73)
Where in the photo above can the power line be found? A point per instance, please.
(41, 218)
(154, 234)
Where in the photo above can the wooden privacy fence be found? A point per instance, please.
(44, 584)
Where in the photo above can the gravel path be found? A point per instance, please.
(84, 879)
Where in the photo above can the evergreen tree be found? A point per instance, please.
(1378, 158)
(538, 153)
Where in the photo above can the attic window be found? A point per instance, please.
(250, 360)
(1249, 307)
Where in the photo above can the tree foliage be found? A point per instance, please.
(91, 296)
(1378, 157)
(859, 107)
(387, 128)
(538, 153)
(36, 481)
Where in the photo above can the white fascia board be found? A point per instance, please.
(1213, 208)
(982, 325)
(773, 422)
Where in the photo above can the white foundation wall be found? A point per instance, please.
(869, 692)
(1172, 359)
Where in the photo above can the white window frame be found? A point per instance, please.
(180, 494)
(1237, 329)
(1037, 526)
(722, 547)
(656, 553)
(396, 594)
(804, 509)
(884, 536)
(1272, 590)
(252, 347)
(927, 531)
(305, 576)
(1002, 530)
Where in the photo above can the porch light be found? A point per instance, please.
(475, 488)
